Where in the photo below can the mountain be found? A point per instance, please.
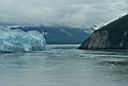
(60, 35)
(111, 36)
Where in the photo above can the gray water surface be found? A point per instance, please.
(64, 65)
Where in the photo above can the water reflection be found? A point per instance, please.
(64, 67)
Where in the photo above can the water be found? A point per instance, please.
(64, 65)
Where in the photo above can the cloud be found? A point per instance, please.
(78, 13)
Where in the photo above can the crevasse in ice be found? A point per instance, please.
(20, 41)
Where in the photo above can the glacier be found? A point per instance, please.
(20, 41)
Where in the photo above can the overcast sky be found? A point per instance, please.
(78, 13)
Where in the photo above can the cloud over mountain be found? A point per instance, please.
(60, 12)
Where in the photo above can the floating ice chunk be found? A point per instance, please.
(20, 41)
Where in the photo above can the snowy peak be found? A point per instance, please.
(59, 34)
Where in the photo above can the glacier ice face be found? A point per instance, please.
(20, 41)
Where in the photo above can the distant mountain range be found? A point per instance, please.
(61, 35)
(111, 36)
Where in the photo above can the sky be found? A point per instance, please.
(75, 13)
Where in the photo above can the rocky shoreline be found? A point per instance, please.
(112, 36)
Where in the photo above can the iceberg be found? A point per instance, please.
(20, 41)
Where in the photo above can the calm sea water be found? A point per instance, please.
(64, 65)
